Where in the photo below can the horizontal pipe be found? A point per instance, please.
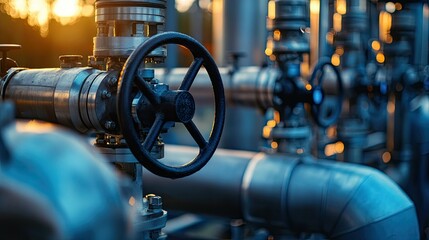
(205, 196)
(81, 97)
(247, 86)
(252, 86)
(340, 200)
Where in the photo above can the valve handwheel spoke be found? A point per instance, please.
(191, 74)
(326, 119)
(154, 132)
(169, 106)
(196, 134)
(144, 87)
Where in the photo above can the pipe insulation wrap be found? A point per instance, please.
(340, 200)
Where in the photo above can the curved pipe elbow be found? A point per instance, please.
(372, 208)
(342, 201)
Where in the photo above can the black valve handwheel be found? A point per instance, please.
(316, 81)
(130, 79)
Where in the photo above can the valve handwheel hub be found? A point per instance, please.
(178, 106)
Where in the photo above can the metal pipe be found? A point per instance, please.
(340, 200)
(171, 24)
(247, 86)
(323, 28)
(244, 31)
(60, 171)
(251, 86)
(420, 41)
(79, 98)
(204, 196)
(239, 32)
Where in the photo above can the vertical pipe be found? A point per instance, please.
(171, 25)
(421, 39)
(218, 33)
(425, 35)
(196, 22)
(323, 28)
(316, 22)
(239, 27)
(244, 30)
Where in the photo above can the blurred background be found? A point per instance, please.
(47, 29)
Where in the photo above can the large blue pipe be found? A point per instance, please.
(339, 200)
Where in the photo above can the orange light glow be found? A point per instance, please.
(334, 148)
(380, 58)
(341, 7)
(330, 37)
(35, 126)
(66, 8)
(331, 132)
(274, 145)
(266, 132)
(389, 38)
(390, 7)
(271, 123)
(206, 4)
(271, 9)
(390, 107)
(183, 5)
(39, 12)
(339, 147)
(398, 6)
(305, 65)
(385, 21)
(132, 201)
(339, 51)
(335, 60)
(276, 116)
(329, 150)
(314, 6)
(376, 46)
(386, 157)
(337, 22)
(308, 87)
(277, 35)
(270, 45)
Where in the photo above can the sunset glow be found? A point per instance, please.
(39, 12)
